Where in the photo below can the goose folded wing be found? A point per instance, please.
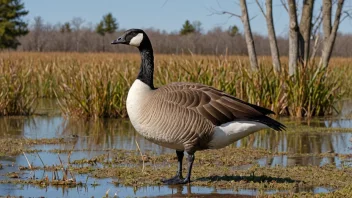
(214, 105)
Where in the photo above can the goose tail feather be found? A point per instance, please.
(277, 126)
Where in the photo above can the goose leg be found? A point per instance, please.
(190, 164)
(178, 177)
(179, 180)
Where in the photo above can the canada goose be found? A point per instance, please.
(187, 116)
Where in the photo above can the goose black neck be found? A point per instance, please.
(147, 64)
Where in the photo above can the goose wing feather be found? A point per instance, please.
(212, 104)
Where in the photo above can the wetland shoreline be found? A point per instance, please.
(92, 158)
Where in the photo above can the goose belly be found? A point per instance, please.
(165, 143)
(157, 136)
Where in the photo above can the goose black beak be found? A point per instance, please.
(119, 41)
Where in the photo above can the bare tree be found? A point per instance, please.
(305, 28)
(77, 23)
(38, 29)
(271, 34)
(329, 30)
(315, 36)
(293, 38)
(197, 26)
(65, 35)
(300, 36)
(62, 37)
(248, 36)
(38, 37)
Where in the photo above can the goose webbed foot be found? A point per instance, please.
(172, 180)
(175, 180)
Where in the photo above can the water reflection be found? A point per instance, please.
(301, 143)
(96, 136)
(346, 109)
(153, 191)
(340, 123)
(100, 191)
(284, 160)
(329, 122)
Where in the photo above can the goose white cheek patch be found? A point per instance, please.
(136, 41)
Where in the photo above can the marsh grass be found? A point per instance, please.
(96, 84)
(100, 91)
(313, 92)
(17, 96)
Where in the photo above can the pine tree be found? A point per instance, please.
(100, 28)
(107, 25)
(66, 27)
(110, 23)
(11, 24)
(233, 30)
(187, 28)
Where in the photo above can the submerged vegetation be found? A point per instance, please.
(96, 85)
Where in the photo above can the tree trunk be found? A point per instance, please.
(305, 28)
(248, 35)
(103, 38)
(329, 32)
(293, 38)
(327, 5)
(272, 37)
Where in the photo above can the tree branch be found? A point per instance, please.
(347, 15)
(316, 25)
(261, 8)
(338, 15)
(164, 3)
(253, 17)
(329, 40)
(319, 17)
(327, 18)
(231, 13)
(284, 5)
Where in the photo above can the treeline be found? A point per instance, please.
(74, 37)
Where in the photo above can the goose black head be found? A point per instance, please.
(133, 37)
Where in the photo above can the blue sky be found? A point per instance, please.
(166, 15)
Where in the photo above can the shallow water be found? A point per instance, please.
(106, 186)
(90, 139)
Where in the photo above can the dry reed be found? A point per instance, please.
(96, 84)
